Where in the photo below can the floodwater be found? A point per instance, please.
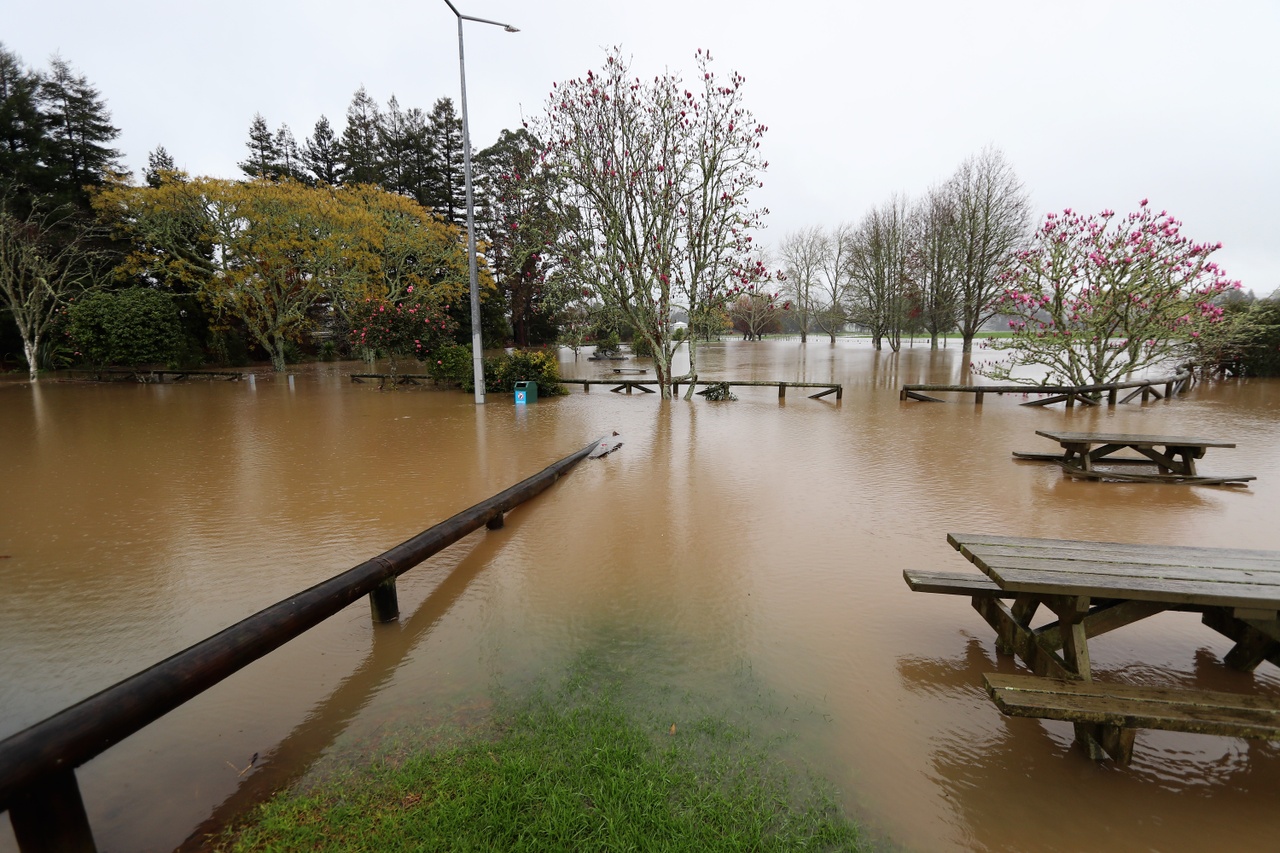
(761, 536)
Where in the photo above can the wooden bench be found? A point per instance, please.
(1126, 707)
(953, 583)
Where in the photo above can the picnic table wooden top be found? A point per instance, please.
(1130, 440)
(1172, 574)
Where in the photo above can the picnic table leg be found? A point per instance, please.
(1075, 651)
(1023, 609)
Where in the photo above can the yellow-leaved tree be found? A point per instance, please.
(280, 257)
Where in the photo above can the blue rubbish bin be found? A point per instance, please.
(526, 392)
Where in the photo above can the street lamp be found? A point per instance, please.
(477, 344)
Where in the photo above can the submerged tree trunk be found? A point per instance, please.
(31, 349)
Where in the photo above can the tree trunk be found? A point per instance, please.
(31, 349)
(277, 354)
(967, 346)
(693, 369)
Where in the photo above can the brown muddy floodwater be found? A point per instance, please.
(758, 541)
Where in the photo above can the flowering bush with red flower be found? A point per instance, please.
(405, 328)
(1096, 297)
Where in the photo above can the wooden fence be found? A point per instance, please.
(1086, 395)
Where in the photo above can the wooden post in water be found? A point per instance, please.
(782, 390)
(383, 602)
(977, 397)
(49, 817)
(1111, 396)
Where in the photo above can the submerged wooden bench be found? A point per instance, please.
(1128, 708)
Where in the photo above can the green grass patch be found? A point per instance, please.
(577, 768)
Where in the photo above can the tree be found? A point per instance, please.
(1094, 298)
(803, 254)
(361, 148)
(651, 189)
(992, 216)
(933, 261)
(78, 133)
(322, 155)
(46, 257)
(22, 127)
(834, 290)
(280, 257)
(519, 224)
(445, 185)
(264, 155)
(290, 164)
(754, 312)
(878, 272)
(159, 165)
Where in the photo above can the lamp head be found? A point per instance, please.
(511, 29)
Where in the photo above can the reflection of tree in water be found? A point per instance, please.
(1020, 784)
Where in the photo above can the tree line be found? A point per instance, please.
(624, 206)
(265, 263)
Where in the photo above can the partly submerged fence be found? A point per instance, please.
(37, 765)
(1087, 395)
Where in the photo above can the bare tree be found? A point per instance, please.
(993, 216)
(834, 290)
(933, 261)
(803, 254)
(878, 271)
(45, 258)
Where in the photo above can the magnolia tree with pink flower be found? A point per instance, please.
(1098, 296)
(651, 179)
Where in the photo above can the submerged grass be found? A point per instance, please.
(577, 768)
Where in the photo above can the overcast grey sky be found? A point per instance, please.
(1095, 104)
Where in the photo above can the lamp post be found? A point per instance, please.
(477, 344)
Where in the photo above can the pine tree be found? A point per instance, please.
(159, 166)
(264, 154)
(446, 181)
(290, 156)
(362, 153)
(392, 139)
(322, 155)
(21, 125)
(79, 132)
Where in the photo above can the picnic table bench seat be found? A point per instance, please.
(953, 583)
(1129, 707)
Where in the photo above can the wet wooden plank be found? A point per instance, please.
(1131, 706)
(953, 583)
(1139, 551)
(1121, 561)
(1132, 439)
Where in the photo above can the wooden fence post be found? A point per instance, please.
(384, 604)
(49, 817)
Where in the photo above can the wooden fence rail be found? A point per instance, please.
(1087, 395)
(626, 385)
(37, 765)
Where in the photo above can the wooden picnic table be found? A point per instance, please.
(1174, 456)
(1093, 588)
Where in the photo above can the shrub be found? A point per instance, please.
(453, 364)
(641, 348)
(502, 372)
(126, 327)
